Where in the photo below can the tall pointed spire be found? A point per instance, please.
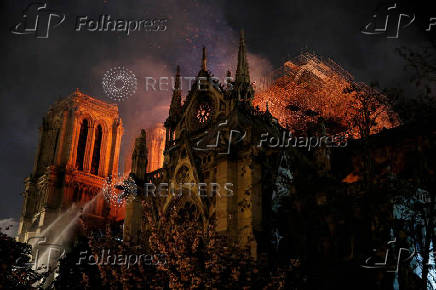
(204, 60)
(176, 101)
(242, 89)
(177, 85)
(139, 157)
(242, 73)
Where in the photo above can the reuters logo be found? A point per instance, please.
(119, 83)
(117, 189)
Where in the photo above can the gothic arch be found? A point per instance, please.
(188, 202)
(96, 161)
(104, 145)
(82, 142)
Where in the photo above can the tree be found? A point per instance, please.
(422, 106)
(367, 109)
(184, 255)
(76, 273)
(15, 265)
(414, 211)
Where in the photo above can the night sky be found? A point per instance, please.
(36, 72)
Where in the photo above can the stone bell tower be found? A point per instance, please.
(79, 147)
(134, 210)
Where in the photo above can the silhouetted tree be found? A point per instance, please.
(15, 265)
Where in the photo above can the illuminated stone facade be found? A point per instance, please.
(79, 146)
(208, 156)
(155, 146)
(213, 165)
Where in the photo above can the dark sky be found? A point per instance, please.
(36, 72)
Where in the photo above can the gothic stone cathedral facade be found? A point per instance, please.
(212, 140)
(214, 168)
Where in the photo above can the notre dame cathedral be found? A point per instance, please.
(214, 164)
(224, 162)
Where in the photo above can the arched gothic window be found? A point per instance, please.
(81, 145)
(96, 154)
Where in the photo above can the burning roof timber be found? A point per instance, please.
(309, 87)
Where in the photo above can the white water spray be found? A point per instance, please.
(51, 225)
(62, 238)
